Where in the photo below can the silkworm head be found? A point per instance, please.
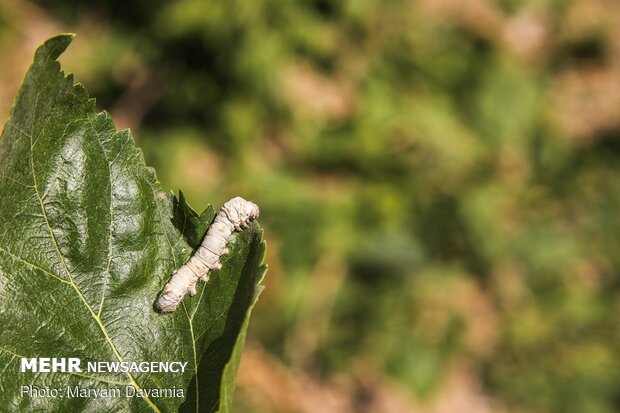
(241, 211)
(250, 210)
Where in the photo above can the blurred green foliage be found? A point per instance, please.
(452, 165)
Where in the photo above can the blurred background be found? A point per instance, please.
(439, 183)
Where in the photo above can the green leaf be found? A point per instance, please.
(87, 240)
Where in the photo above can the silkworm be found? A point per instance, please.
(235, 215)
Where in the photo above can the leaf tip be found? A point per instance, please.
(53, 47)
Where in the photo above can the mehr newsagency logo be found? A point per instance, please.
(74, 365)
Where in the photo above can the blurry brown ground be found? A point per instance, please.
(272, 387)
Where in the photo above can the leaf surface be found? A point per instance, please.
(87, 240)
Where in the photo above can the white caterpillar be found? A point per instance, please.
(235, 215)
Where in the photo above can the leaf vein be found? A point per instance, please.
(72, 280)
(191, 329)
(106, 275)
(36, 267)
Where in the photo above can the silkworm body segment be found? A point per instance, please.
(235, 215)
